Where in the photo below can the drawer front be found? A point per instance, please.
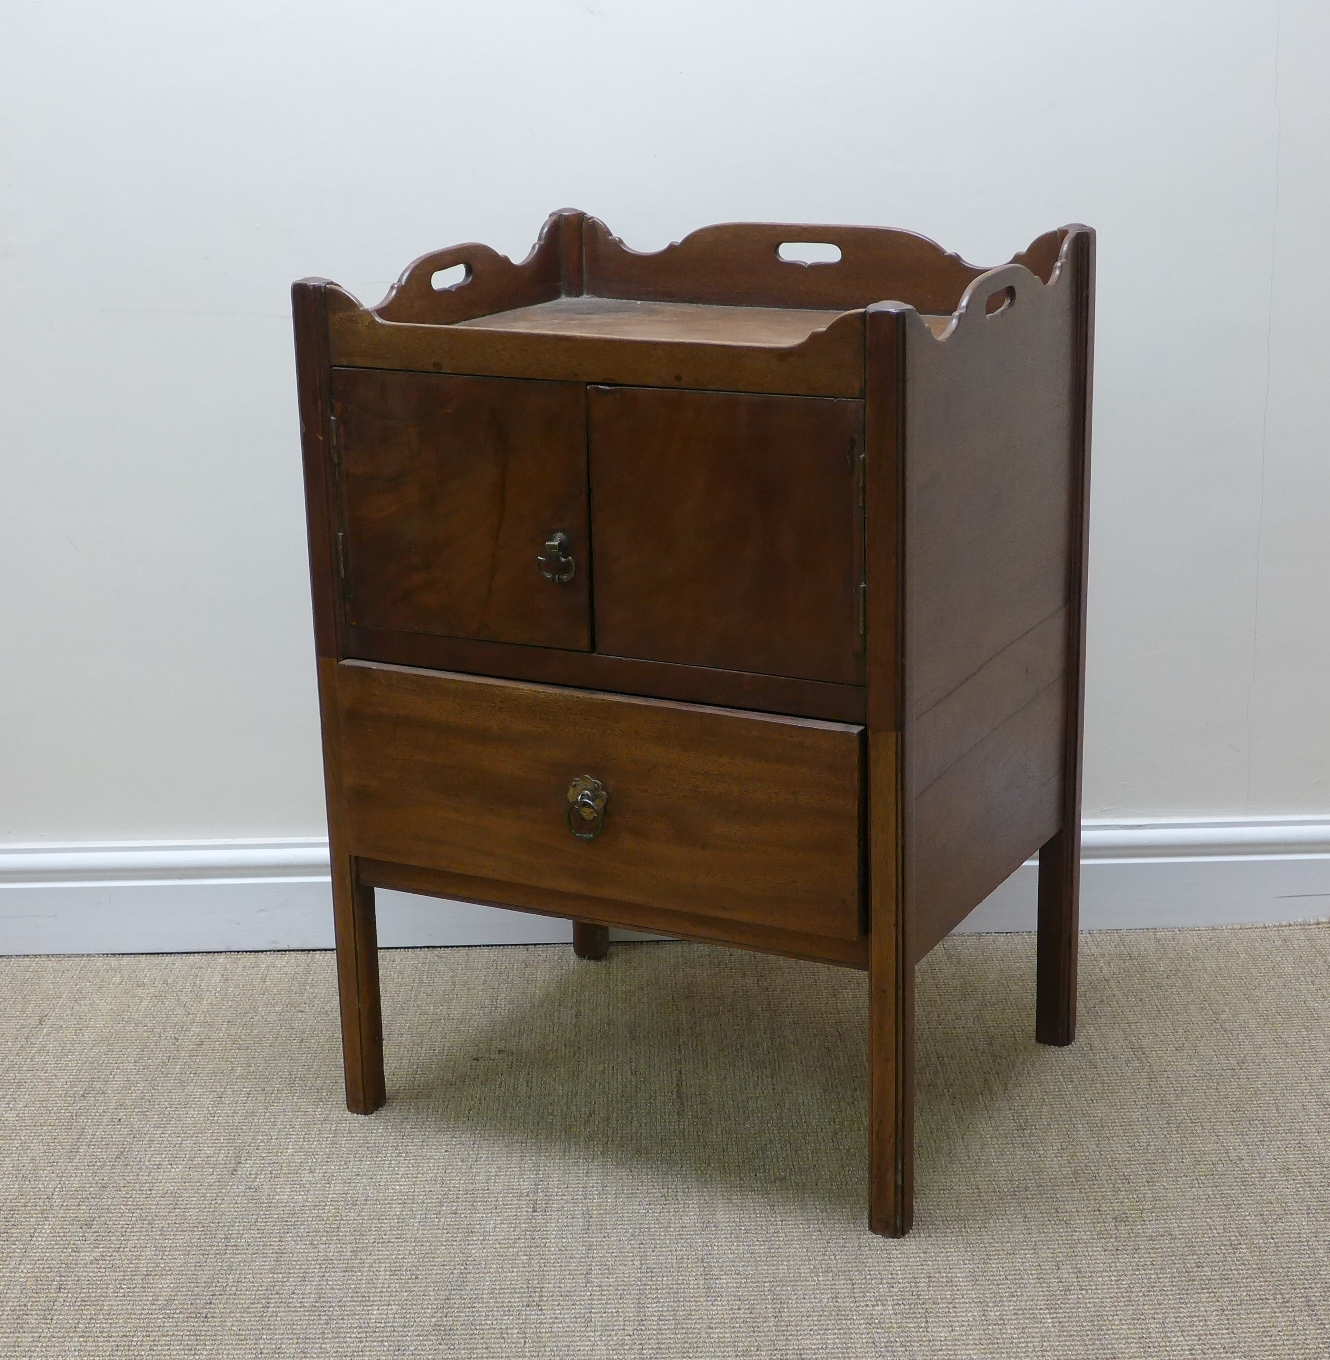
(738, 816)
(450, 488)
(728, 530)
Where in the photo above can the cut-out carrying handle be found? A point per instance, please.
(997, 292)
(491, 282)
(451, 277)
(417, 283)
(808, 251)
(799, 245)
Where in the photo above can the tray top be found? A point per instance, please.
(698, 323)
(727, 284)
(721, 310)
(632, 319)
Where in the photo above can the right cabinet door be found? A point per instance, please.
(727, 530)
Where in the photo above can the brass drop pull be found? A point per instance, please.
(556, 564)
(587, 800)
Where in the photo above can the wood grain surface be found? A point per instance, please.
(471, 327)
(889, 811)
(731, 264)
(989, 416)
(990, 494)
(829, 363)
(855, 490)
(975, 516)
(734, 815)
(590, 941)
(309, 308)
(631, 319)
(738, 263)
(353, 927)
(727, 530)
(616, 674)
(1060, 857)
(682, 925)
(491, 282)
(449, 488)
(977, 823)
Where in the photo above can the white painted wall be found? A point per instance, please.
(169, 168)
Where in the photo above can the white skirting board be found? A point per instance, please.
(177, 897)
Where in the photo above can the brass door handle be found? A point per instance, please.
(587, 801)
(556, 563)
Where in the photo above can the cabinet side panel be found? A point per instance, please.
(991, 491)
(979, 822)
(310, 314)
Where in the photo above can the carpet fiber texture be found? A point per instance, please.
(663, 1155)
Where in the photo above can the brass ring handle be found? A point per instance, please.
(587, 801)
(556, 563)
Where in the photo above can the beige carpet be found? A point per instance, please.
(663, 1155)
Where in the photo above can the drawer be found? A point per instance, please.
(450, 488)
(728, 530)
(739, 816)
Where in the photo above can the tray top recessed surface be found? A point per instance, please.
(633, 319)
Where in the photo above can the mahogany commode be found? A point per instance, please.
(710, 594)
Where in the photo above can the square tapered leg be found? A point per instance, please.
(891, 1101)
(590, 942)
(358, 988)
(1059, 925)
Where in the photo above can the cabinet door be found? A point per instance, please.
(450, 488)
(728, 531)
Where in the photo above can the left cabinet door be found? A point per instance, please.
(449, 490)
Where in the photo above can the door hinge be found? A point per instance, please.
(335, 439)
(860, 456)
(341, 555)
